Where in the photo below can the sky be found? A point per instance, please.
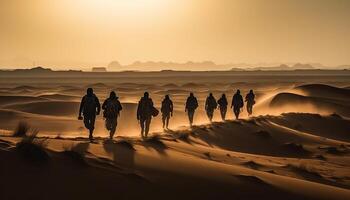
(64, 34)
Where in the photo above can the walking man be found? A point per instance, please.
(89, 107)
(250, 99)
(223, 106)
(112, 108)
(191, 106)
(210, 106)
(237, 103)
(167, 111)
(145, 111)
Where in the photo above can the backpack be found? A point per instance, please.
(112, 109)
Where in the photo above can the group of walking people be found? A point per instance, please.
(90, 107)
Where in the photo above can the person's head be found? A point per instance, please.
(238, 92)
(223, 95)
(210, 94)
(112, 95)
(166, 96)
(191, 94)
(146, 95)
(89, 91)
(251, 91)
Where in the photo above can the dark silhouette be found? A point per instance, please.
(250, 99)
(222, 102)
(145, 111)
(167, 111)
(210, 106)
(237, 103)
(112, 108)
(191, 106)
(90, 107)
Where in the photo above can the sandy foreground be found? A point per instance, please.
(296, 146)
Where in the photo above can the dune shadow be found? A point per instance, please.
(122, 151)
(155, 143)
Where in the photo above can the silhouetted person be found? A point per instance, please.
(223, 106)
(250, 99)
(167, 111)
(144, 113)
(112, 108)
(237, 103)
(210, 106)
(90, 107)
(191, 106)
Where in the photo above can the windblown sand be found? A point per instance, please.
(296, 146)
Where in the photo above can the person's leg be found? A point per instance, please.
(190, 116)
(224, 113)
(142, 124)
(210, 115)
(236, 111)
(92, 126)
(249, 109)
(148, 123)
(167, 121)
(114, 123)
(163, 120)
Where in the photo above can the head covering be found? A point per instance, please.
(112, 95)
(89, 91)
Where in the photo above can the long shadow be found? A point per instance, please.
(123, 152)
(81, 147)
(183, 135)
(156, 144)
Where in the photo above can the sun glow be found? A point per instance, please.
(124, 6)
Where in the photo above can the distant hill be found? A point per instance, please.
(167, 66)
(35, 70)
(283, 67)
(99, 69)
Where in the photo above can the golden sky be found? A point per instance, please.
(85, 33)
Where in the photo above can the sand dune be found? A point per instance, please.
(60, 97)
(325, 91)
(301, 154)
(323, 105)
(55, 108)
(247, 155)
(8, 100)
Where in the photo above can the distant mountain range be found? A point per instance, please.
(188, 66)
(211, 66)
(155, 66)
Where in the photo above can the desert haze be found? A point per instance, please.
(296, 144)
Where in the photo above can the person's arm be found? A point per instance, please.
(120, 106)
(138, 111)
(186, 105)
(104, 105)
(98, 106)
(171, 107)
(81, 107)
(233, 98)
(206, 104)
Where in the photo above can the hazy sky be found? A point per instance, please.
(82, 33)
